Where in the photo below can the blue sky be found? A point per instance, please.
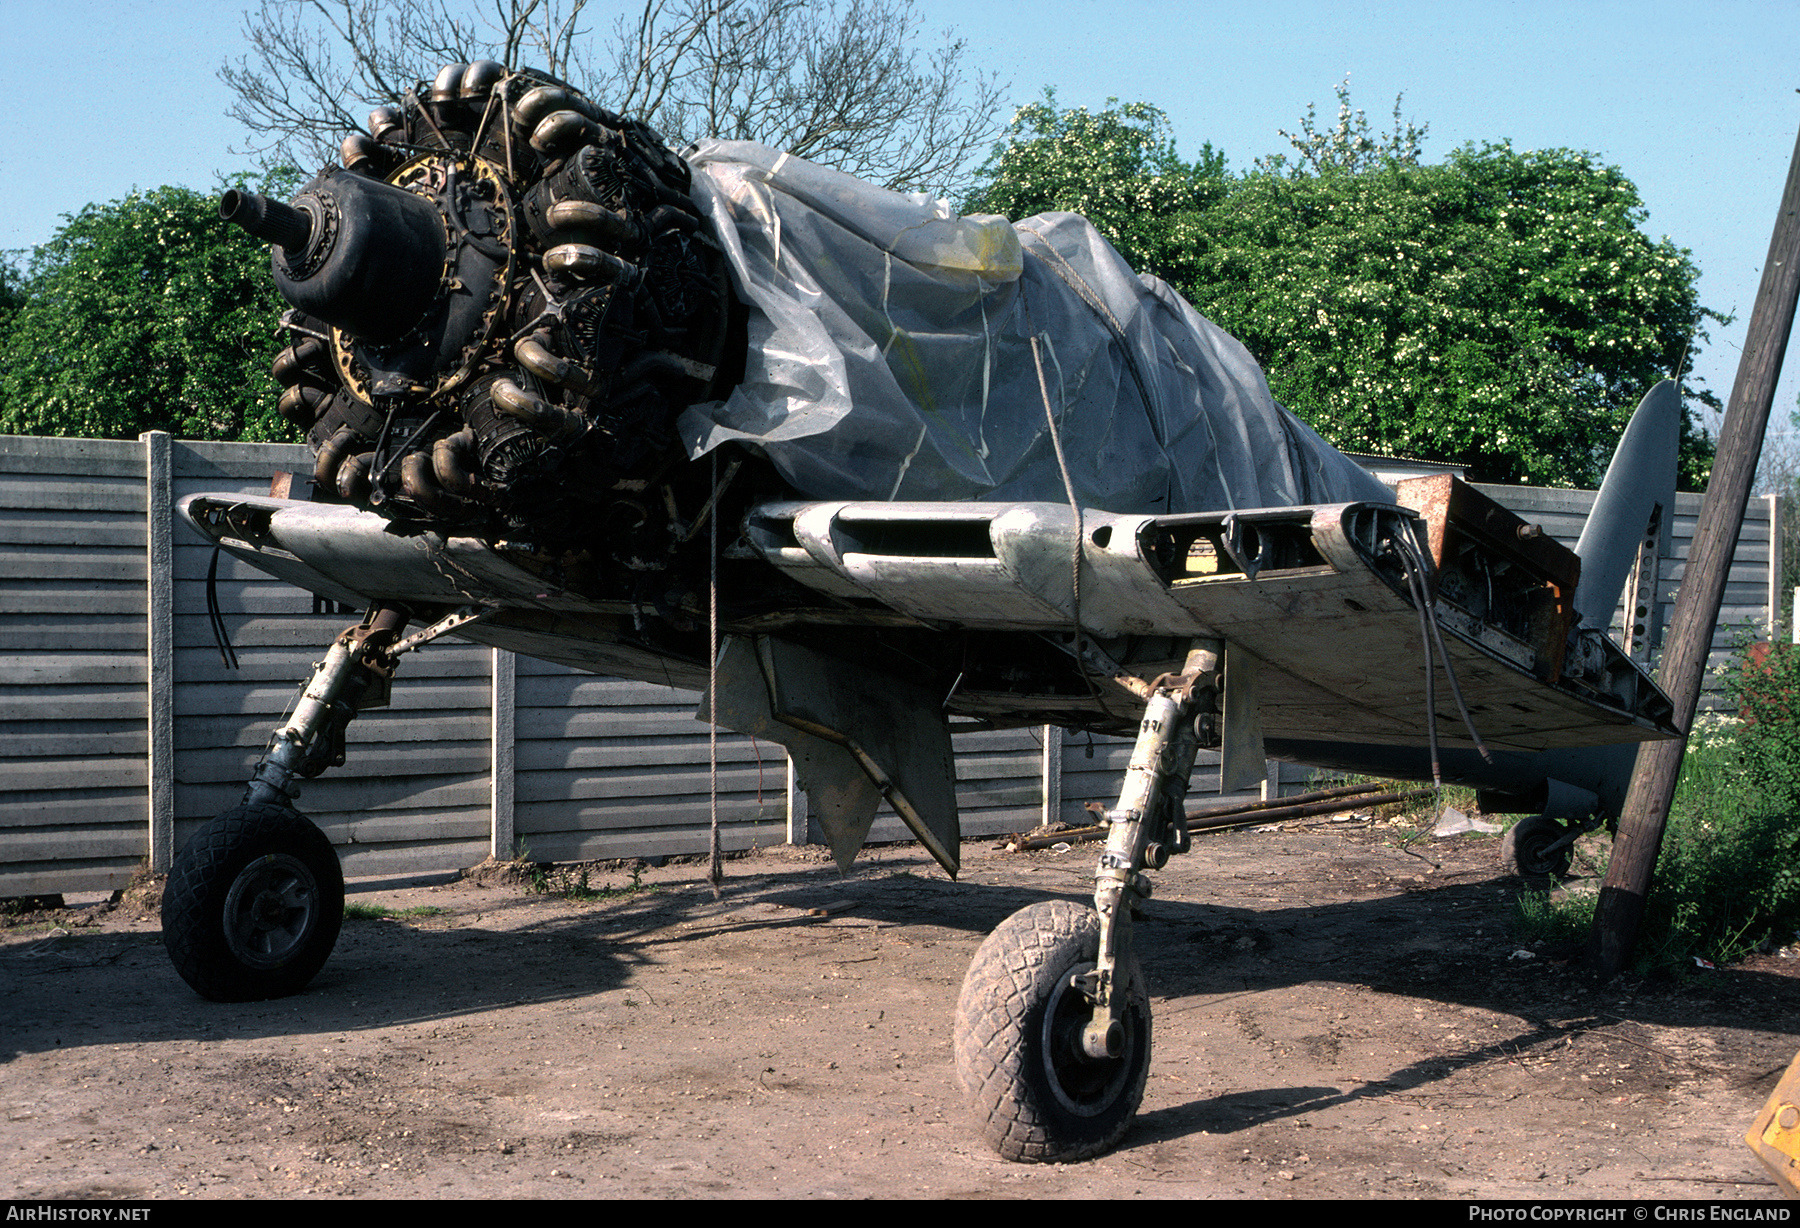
(1697, 103)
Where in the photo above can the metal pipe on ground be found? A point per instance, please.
(1301, 805)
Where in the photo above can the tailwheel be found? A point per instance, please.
(1537, 848)
(253, 905)
(1034, 1091)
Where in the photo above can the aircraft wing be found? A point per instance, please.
(1314, 595)
(1309, 592)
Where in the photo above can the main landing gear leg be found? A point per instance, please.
(1053, 1024)
(255, 899)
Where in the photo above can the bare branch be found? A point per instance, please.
(843, 82)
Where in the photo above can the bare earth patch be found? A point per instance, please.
(1334, 1017)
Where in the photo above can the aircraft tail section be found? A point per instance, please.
(1637, 499)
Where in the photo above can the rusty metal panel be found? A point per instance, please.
(1744, 612)
(1461, 522)
(1447, 503)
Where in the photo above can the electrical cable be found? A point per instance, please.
(1409, 550)
(716, 869)
(216, 616)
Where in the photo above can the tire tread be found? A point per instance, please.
(995, 1011)
(194, 899)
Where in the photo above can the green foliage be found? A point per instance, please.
(12, 287)
(1117, 168)
(1540, 916)
(1728, 874)
(1764, 684)
(147, 313)
(1348, 147)
(1502, 309)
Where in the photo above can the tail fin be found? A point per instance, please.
(1639, 483)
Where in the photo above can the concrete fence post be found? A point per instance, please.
(159, 648)
(505, 678)
(1053, 746)
(1776, 529)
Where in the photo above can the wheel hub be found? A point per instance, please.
(270, 910)
(1084, 1085)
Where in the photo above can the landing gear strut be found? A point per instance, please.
(255, 899)
(1053, 1024)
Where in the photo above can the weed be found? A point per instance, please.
(1729, 872)
(1419, 814)
(576, 883)
(1424, 811)
(1542, 916)
(1414, 818)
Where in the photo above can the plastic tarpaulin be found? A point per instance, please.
(890, 358)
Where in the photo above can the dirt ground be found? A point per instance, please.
(1334, 1017)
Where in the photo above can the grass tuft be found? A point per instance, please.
(377, 912)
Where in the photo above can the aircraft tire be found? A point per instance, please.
(1525, 848)
(253, 905)
(1034, 1094)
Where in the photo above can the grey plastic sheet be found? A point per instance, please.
(891, 358)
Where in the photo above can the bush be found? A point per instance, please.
(1728, 875)
(147, 313)
(1764, 683)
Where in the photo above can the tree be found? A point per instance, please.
(12, 286)
(1501, 309)
(1118, 168)
(1348, 145)
(148, 313)
(842, 82)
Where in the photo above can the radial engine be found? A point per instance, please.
(500, 303)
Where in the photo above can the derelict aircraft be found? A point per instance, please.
(864, 471)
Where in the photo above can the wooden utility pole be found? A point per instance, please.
(1621, 904)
